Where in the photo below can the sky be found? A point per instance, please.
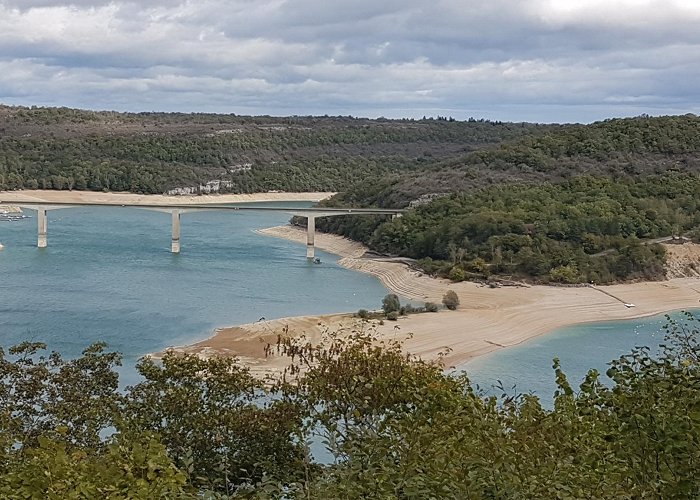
(510, 60)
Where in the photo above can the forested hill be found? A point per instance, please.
(60, 148)
(574, 204)
(619, 147)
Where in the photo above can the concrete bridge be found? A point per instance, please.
(177, 210)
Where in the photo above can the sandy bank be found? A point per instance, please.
(131, 198)
(487, 319)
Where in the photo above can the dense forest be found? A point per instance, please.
(391, 427)
(587, 229)
(59, 148)
(574, 204)
(550, 203)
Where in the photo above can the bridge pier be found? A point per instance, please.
(175, 243)
(43, 226)
(310, 233)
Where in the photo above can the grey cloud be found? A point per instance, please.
(389, 58)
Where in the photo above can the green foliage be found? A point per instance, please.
(431, 307)
(392, 316)
(129, 467)
(565, 274)
(629, 147)
(391, 303)
(59, 148)
(571, 195)
(450, 300)
(48, 393)
(581, 230)
(209, 416)
(363, 313)
(408, 431)
(396, 427)
(457, 274)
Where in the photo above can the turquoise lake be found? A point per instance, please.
(108, 275)
(527, 368)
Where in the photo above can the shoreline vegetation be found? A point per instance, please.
(487, 319)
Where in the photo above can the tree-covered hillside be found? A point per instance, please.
(614, 148)
(562, 203)
(587, 229)
(572, 205)
(58, 148)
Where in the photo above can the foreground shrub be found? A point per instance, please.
(431, 307)
(391, 303)
(393, 426)
(450, 300)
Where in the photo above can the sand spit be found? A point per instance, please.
(487, 319)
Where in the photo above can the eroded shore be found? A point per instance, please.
(487, 318)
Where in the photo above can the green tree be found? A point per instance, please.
(391, 303)
(135, 467)
(450, 300)
(212, 419)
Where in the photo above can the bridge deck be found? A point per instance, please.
(176, 210)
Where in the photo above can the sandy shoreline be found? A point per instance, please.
(487, 319)
(7, 197)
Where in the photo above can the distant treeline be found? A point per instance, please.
(60, 148)
(619, 148)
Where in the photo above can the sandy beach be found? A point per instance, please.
(487, 318)
(7, 197)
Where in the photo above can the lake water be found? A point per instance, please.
(527, 368)
(108, 275)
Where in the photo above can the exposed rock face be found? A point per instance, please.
(682, 260)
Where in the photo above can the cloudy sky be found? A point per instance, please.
(531, 60)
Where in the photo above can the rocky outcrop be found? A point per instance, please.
(682, 261)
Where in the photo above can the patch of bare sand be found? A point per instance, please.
(156, 199)
(487, 318)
